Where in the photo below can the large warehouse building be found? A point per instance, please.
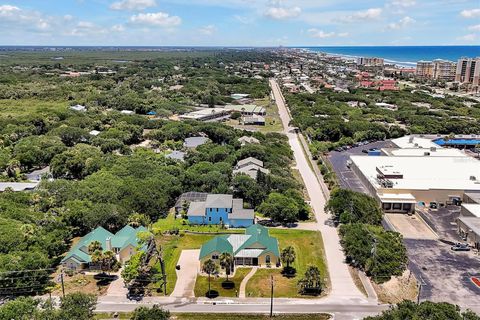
(425, 174)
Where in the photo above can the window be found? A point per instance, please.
(267, 259)
(387, 206)
(214, 257)
(397, 206)
(221, 219)
(407, 207)
(209, 219)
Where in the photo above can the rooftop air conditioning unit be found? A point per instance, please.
(473, 178)
(426, 153)
(416, 144)
(433, 149)
(410, 140)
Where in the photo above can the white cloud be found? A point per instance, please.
(475, 28)
(133, 5)
(243, 19)
(468, 37)
(8, 10)
(403, 3)
(473, 13)
(280, 13)
(159, 19)
(118, 28)
(369, 14)
(404, 22)
(320, 34)
(85, 28)
(208, 30)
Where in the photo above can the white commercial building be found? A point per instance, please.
(401, 181)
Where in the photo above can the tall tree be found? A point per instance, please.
(209, 267)
(227, 262)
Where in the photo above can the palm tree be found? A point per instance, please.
(94, 246)
(226, 261)
(209, 267)
(288, 256)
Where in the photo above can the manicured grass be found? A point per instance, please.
(170, 223)
(26, 107)
(221, 316)
(309, 250)
(172, 246)
(201, 285)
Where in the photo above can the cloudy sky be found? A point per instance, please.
(239, 22)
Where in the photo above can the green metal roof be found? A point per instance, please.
(126, 236)
(254, 234)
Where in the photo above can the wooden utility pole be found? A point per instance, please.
(271, 296)
(63, 285)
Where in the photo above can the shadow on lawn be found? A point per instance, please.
(212, 294)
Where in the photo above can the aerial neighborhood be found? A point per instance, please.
(213, 181)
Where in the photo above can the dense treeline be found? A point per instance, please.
(426, 310)
(329, 121)
(381, 254)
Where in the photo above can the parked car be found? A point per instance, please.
(365, 151)
(460, 247)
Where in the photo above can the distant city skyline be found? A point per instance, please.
(240, 22)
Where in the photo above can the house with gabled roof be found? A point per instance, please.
(123, 244)
(220, 209)
(254, 248)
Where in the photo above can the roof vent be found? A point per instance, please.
(473, 178)
(433, 149)
(410, 140)
(426, 153)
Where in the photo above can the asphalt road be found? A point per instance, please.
(341, 280)
(345, 301)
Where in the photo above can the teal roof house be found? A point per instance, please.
(254, 248)
(124, 244)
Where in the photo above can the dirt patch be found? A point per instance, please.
(357, 281)
(397, 289)
(81, 283)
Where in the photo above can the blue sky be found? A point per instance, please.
(239, 22)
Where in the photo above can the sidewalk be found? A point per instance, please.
(243, 285)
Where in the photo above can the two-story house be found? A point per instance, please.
(220, 209)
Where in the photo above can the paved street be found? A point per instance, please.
(341, 280)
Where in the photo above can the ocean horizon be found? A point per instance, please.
(402, 55)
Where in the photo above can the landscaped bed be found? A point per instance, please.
(218, 284)
(309, 250)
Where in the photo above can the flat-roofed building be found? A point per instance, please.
(444, 70)
(207, 115)
(424, 152)
(469, 229)
(424, 69)
(414, 142)
(468, 71)
(470, 210)
(426, 179)
(246, 109)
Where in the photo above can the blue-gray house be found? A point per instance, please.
(218, 209)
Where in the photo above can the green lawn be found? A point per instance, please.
(309, 250)
(221, 316)
(201, 285)
(170, 223)
(25, 107)
(172, 246)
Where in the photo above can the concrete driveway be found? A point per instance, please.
(187, 275)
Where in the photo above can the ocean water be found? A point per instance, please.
(404, 55)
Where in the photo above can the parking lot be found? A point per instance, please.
(346, 177)
(445, 275)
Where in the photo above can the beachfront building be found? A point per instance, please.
(370, 62)
(124, 244)
(468, 71)
(254, 248)
(424, 69)
(444, 70)
(220, 209)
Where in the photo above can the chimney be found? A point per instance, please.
(109, 244)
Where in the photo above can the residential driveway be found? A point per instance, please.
(117, 287)
(187, 275)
